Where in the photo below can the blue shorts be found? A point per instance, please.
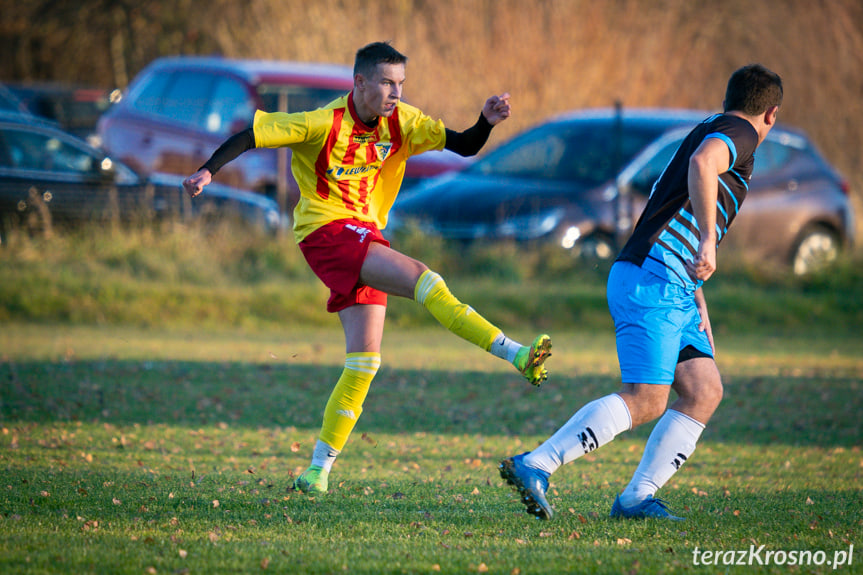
(654, 320)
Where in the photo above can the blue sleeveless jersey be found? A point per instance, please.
(666, 234)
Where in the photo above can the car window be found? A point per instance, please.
(187, 97)
(770, 156)
(229, 105)
(537, 156)
(281, 98)
(36, 151)
(150, 97)
(8, 101)
(587, 153)
(645, 178)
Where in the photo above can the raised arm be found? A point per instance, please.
(470, 142)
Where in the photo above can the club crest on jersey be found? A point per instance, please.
(383, 149)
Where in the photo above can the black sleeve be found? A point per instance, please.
(471, 141)
(230, 149)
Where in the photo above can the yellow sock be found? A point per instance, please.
(346, 401)
(461, 319)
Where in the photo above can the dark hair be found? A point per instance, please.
(753, 89)
(369, 56)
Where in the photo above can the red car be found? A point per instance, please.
(178, 110)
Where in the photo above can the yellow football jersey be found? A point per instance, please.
(344, 168)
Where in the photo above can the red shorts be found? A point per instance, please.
(336, 252)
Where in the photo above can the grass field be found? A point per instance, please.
(127, 450)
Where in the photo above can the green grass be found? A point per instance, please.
(176, 277)
(136, 451)
(159, 389)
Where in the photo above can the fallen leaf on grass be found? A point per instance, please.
(295, 446)
(368, 439)
(183, 553)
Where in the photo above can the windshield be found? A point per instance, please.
(587, 152)
(281, 98)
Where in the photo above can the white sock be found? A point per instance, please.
(592, 426)
(324, 455)
(671, 443)
(504, 347)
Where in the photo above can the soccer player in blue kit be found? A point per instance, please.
(664, 339)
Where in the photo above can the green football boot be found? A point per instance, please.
(528, 361)
(313, 481)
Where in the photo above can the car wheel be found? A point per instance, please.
(817, 247)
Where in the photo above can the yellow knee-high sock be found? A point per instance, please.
(346, 401)
(461, 319)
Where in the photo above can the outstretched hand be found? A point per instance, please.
(497, 109)
(195, 183)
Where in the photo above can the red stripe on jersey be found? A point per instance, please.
(323, 160)
(353, 146)
(363, 191)
(395, 131)
(345, 188)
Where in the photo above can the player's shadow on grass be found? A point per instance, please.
(761, 409)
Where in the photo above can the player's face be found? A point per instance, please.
(378, 95)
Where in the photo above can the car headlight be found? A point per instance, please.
(570, 236)
(531, 226)
(273, 219)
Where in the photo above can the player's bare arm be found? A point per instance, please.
(709, 160)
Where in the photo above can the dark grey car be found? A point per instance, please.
(49, 178)
(580, 180)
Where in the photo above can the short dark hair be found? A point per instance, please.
(369, 56)
(753, 89)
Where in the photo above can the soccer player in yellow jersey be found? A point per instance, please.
(348, 159)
